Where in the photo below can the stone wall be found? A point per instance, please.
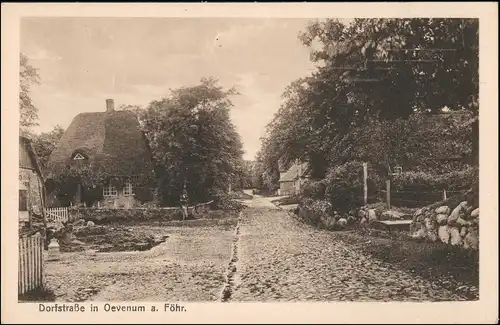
(458, 225)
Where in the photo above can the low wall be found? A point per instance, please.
(100, 215)
(457, 225)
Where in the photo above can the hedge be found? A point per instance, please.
(344, 185)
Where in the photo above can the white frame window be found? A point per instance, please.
(109, 191)
(128, 190)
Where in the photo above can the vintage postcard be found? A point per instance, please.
(250, 163)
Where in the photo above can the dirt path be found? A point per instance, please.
(281, 259)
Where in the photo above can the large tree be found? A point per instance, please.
(371, 76)
(28, 76)
(367, 71)
(194, 141)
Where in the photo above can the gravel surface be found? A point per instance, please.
(282, 259)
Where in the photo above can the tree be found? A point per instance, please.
(372, 71)
(28, 76)
(44, 143)
(193, 141)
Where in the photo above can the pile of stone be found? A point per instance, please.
(459, 227)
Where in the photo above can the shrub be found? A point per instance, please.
(453, 181)
(416, 188)
(344, 185)
(315, 212)
(225, 202)
(314, 189)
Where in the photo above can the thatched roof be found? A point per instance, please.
(109, 141)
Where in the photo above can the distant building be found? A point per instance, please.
(109, 142)
(31, 182)
(292, 179)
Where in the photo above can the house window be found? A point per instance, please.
(109, 190)
(128, 190)
(23, 200)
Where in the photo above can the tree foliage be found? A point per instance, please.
(45, 142)
(28, 76)
(193, 141)
(374, 83)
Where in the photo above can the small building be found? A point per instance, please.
(292, 179)
(105, 159)
(31, 182)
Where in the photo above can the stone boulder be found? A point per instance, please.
(90, 223)
(475, 213)
(458, 212)
(372, 215)
(471, 241)
(430, 223)
(342, 222)
(444, 234)
(419, 233)
(463, 231)
(461, 222)
(441, 219)
(444, 209)
(455, 238)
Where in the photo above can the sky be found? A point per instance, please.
(83, 61)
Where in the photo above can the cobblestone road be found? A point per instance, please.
(279, 258)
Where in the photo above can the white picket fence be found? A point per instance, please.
(30, 273)
(57, 214)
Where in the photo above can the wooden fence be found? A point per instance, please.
(30, 272)
(57, 214)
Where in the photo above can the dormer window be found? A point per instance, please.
(77, 155)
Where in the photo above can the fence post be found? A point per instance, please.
(365, 183)
(388, 192)
(444, 195)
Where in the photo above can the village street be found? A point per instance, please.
(281, 258)
(267, 256)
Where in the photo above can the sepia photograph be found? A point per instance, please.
(248, 159)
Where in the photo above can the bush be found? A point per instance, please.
(344, 185)
(225, 202)
(315, 212)
(314, 189)
(417, 188)
(453, 181)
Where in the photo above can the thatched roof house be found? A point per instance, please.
(109, 142)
